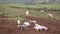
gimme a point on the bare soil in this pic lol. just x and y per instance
(10, 26)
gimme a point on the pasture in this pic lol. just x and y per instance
(15, 10)
(10, 13)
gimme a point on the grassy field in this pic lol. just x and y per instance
(48, 6)
(17, 11)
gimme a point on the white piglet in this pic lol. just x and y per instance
(27, 13)
(27, 23)
(37, 27)
(22, 26)
(45, 28)
(33, 21)
(18, 22)
(49, 14)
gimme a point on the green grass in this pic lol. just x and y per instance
(7, 10)
(48, 6)
(17, 18)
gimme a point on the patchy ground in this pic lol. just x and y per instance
(10, 26)
(3, 16)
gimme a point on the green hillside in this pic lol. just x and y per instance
(15, 11)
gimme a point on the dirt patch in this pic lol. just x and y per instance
(10, 26)
(3, 16)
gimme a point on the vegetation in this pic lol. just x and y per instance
(18, 10)
(37, 7)
(29, 1)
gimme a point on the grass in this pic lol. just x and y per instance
(19, 10)
(17, 18)
(48, 6)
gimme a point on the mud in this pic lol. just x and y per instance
(10, 26)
